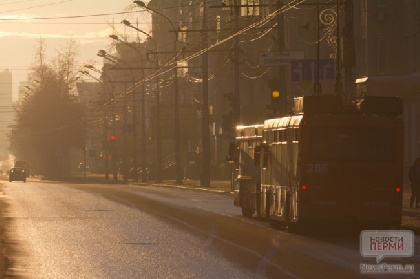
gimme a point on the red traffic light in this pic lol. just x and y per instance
(112, 137)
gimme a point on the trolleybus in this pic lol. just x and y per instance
(328, 163)
(247, 173)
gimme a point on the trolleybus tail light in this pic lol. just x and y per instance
(303, 187)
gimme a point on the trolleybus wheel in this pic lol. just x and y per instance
(275, 224)
(293, 227)
(268, 196)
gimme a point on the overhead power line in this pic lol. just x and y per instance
(72, 23)
(62, 17)
(39, 6)
(15, 2)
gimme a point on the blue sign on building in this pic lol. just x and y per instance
(305, 69)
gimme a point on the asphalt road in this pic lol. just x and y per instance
(56, 230)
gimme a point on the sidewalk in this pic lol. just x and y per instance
(410, 216)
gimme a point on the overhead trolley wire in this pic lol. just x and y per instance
(39, 6)
(171, 64)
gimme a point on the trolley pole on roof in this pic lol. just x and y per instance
(281, 70)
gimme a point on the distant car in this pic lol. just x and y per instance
(24, 165)
(17, 174)
(82, 167)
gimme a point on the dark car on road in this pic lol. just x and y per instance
(17, 174)
(24, 165)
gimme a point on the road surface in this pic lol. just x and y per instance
(58, 230)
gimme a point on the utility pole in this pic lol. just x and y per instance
(114, 155)
(124, 151)
(84, 146)
(349, 24)
(134, 131)
(158, 135)
(143, 134)
(177, 134)
(317, 85)
(106, 147)
(106, 96)
(112, 99)
(348, 50)
(338, 86)
(237, 104)
(205, 137)
(178, 165)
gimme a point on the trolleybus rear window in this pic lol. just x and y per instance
(363, 145)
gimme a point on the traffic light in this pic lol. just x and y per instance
(275, 95)
(112, 143)
(275, 99)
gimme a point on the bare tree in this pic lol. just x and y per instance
(48, 121)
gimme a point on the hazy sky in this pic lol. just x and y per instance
(24, 22)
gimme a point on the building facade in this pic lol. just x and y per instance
(388, 62)
(350, 47)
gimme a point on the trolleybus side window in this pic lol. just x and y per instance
(268, 136)
(267, 156)
(369, 145)
(292, 135)
(282, 135)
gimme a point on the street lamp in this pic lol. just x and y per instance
(128, 24)
(176, 97)
(102, 53)
(140, 4)
(91, 67)
(158, 137)
(143, 122)
(85, 72)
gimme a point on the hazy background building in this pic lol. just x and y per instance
(6, 112)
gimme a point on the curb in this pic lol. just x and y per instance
(185, 187)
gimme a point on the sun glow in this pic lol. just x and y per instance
(15, 17)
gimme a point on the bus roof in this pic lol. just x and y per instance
(283, 122)
(249, 131)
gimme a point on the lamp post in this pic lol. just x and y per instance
(85, 72)
(102, 53)
(143, 121)
(338, 86)
(114, 161)
(205, 138)
(317, 86)
(176, 97)
(158, 138)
